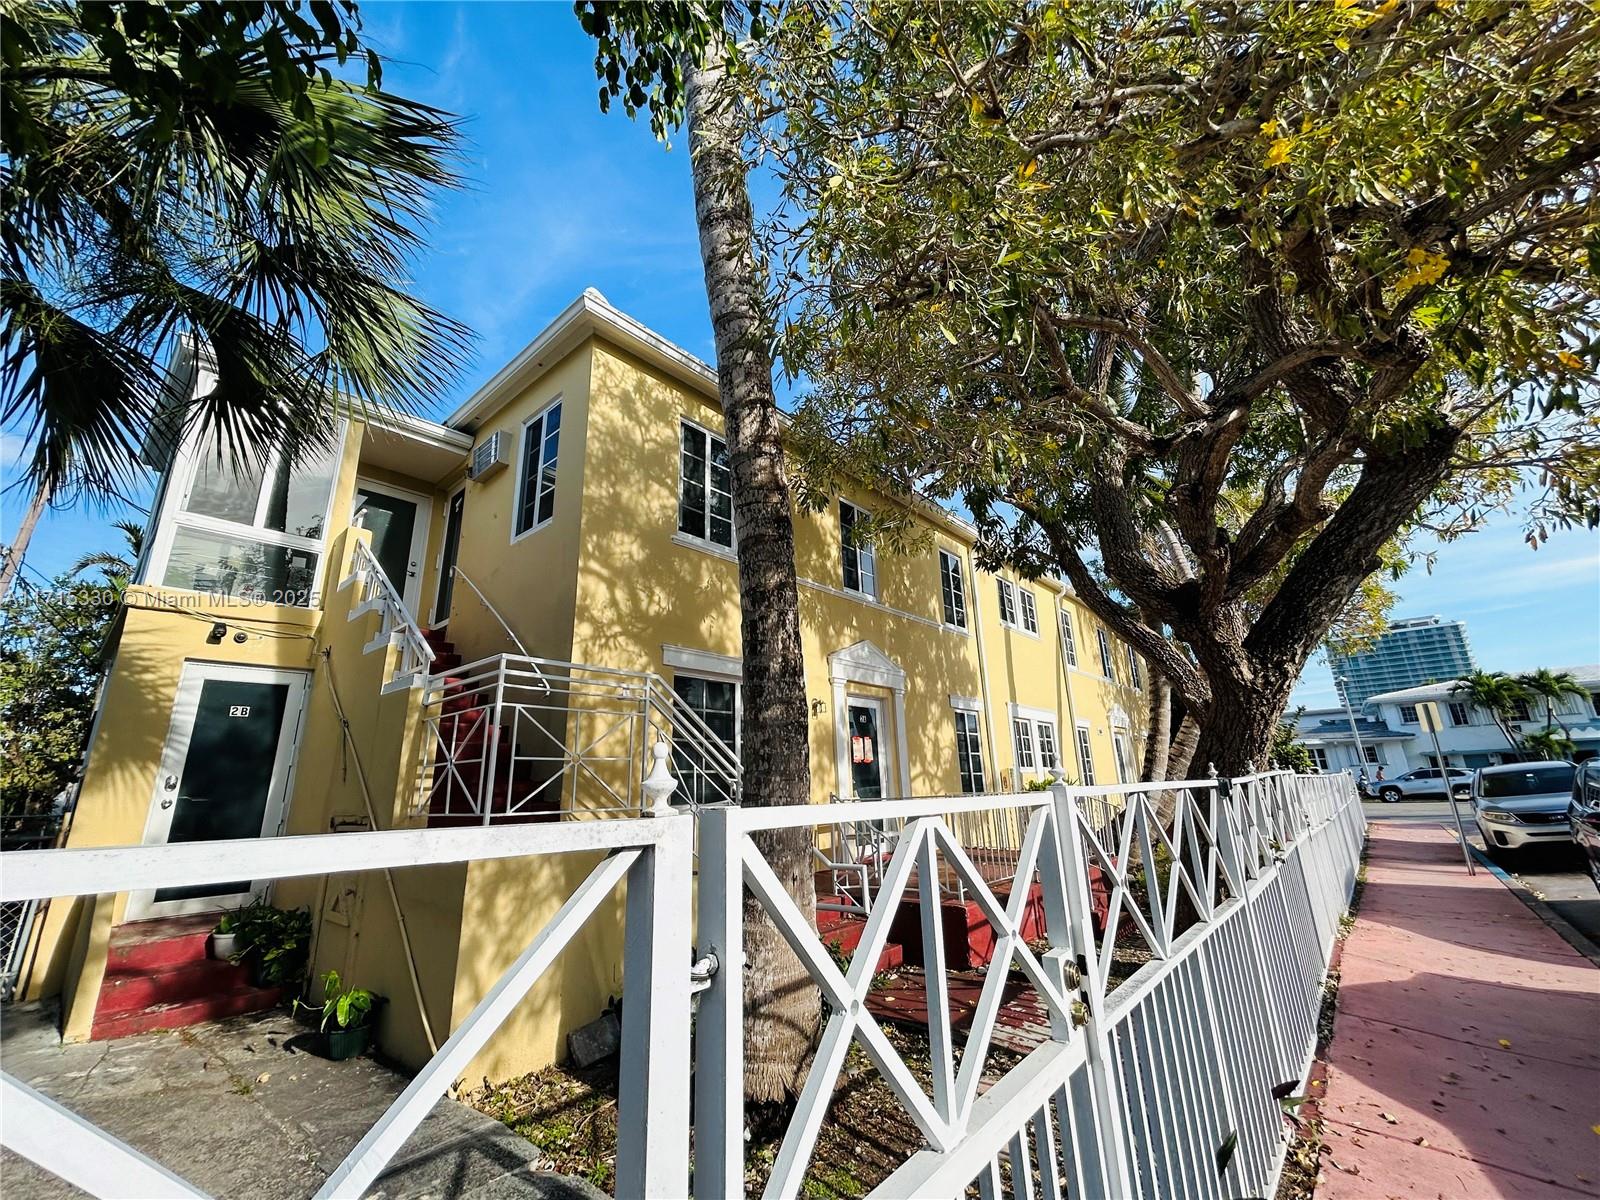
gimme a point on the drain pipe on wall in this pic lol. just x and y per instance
(388, 874)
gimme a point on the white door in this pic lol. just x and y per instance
(398, 520)
(867, 742)
(225, 773)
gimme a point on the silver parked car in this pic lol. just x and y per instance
(1522, 804)
(1424, 781)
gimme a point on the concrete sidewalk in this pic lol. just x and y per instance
(1465, 1059)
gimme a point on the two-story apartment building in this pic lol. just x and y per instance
(491, 618)
(1472, 738)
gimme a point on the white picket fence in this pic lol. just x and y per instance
(1163, 1084)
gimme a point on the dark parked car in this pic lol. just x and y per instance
(1583, 814)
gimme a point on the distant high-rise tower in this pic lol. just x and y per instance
(1409, 653)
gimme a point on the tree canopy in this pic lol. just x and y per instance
(1207, 307)
(207, 170)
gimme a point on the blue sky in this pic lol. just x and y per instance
(562, 197)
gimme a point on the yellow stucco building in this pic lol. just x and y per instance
(270, 673)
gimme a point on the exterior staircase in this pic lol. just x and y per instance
(464, 729)
(160, 976)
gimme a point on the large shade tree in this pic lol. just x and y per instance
(1207, 307)
(207, 171)
(673, 61)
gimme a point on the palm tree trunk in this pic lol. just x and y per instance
(1158, 741)
(19, 544)
(782, 1005)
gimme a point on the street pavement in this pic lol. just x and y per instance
(1554, 874)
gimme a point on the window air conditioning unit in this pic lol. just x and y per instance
(489, 455)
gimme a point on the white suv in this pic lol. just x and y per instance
(1424, 781)
(1522, 804)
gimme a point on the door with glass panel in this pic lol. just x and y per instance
(868, 768)
(224, 774)
(398, 520)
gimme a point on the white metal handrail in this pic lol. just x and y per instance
(651, 855)
(377, 594)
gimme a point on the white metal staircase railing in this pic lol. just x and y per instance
(515, 737)
(375, 594)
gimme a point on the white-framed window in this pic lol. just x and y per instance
(716, 702)
(1049, 756)
(1008, 601)
(1370, 753)
(1320, 757)
(952, 590)
(1105, 654)
(1030, 611)
(1069, 643)
(1135, 675)
(243, 528)
(1022, 732)
(705, 487)
(536, 481)
(969, 752)
(1123, 752)
(1085, 756)
(1408, 714)
(1034, 738)
(860, 561)
(1460, 714)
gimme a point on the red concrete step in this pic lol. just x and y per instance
(129, 989)
(186, 1012)
(167, 942)
(846, 936)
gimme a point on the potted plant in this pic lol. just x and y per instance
(348, 1015)
(225, 942)
(276, 941)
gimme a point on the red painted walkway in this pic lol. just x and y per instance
(1465, 1059)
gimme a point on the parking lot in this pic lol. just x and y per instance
(1554, 874)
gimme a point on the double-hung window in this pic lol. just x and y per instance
(860, 562)
(1069, 643)
(1022, 730)
(1030, 611)
(1320, 757)
(1105, 654)
(705, 487)
(1135, 676)
(1459, 715)
(953, 590)
(1008, 601)
(1408, 714)
(1085, 757)
(1049, 756)
(969, 752)
(536, 486)
(1034, 738)
(716, 702)
(248, 528)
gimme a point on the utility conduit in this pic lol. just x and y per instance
(388, 874)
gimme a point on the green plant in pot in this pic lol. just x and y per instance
(225, 941)
(276, 941)
(348, 1015)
